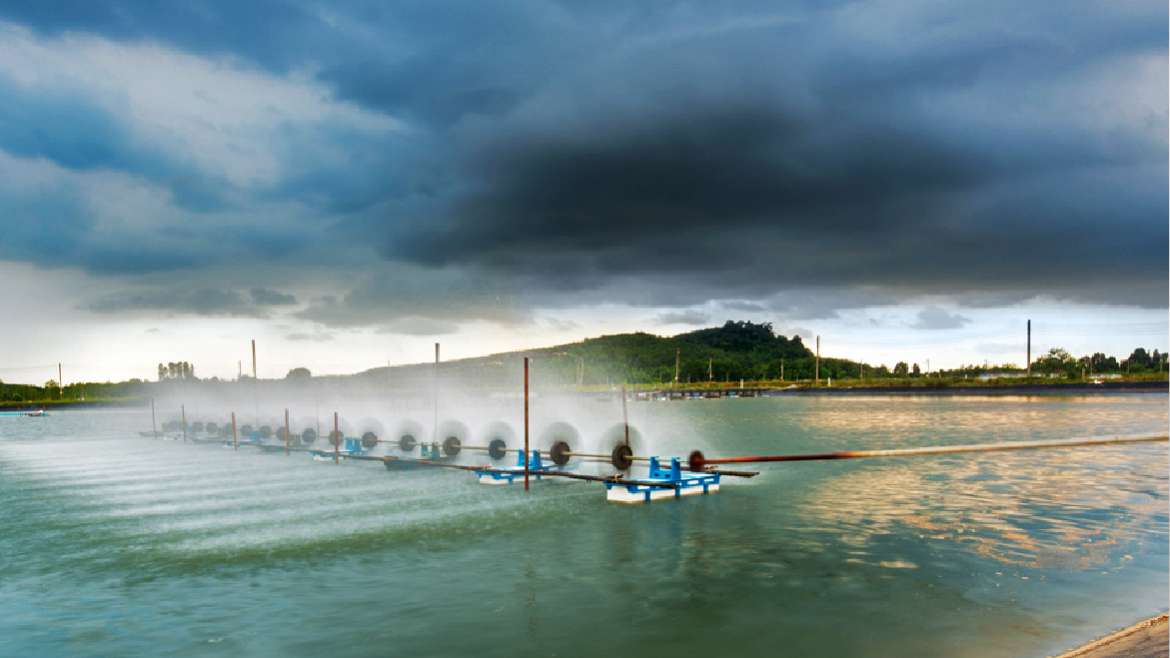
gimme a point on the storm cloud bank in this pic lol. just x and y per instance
(501, 157)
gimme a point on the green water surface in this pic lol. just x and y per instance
(115, 545)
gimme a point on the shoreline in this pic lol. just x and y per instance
(684, 393)
(1146, 639)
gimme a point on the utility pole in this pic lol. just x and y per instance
(818, 364)
(1029, 354)
(255, 382)
(435, 396)
(677, 354)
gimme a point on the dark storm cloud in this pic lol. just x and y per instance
(793, 158)
(831, 169)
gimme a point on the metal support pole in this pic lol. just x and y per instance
(526, 424)
(235, 442)
(435, 398)
(337, 441)
(625, 417)
(153, 426)
(286, 431)
(183, 416)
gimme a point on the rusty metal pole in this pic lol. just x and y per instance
(337, 441)
(698, 461)
(286, 430)
(625, 416)
(183, 415)
(526, 423)
(235, 443)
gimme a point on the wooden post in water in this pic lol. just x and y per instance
(235, 442)
(526, 423)
(183, 416)
(153, 426)
(286, 431)
(336, 436)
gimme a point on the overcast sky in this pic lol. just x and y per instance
(350, 182)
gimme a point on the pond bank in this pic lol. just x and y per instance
(1146, 639)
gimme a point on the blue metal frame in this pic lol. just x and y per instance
(673, 476)
(510, 475)
(349, 447)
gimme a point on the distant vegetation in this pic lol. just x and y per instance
(708, 357)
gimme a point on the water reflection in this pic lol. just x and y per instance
(1075, 508)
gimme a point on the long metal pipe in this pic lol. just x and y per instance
(606, 457)
(698, 461)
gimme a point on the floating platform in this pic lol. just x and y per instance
(349, 448)
(662, 484)
(498, 476)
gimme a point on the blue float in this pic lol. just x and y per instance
(662, 484)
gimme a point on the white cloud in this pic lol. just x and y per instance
(220, 114)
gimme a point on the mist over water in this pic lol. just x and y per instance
(116, 544)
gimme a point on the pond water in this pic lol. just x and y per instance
(112, 544)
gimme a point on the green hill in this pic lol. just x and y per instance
(737, 350)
